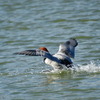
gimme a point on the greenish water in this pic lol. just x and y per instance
(30, 24)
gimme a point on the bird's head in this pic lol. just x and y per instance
(44, 49)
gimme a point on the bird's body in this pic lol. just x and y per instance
(58, 60)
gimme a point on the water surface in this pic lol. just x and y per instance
(30, 24)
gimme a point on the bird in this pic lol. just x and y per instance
(58, 60)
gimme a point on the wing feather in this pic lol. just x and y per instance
(34, 53)
(68, 47)
(38, 53)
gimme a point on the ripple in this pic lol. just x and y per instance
(30, 24)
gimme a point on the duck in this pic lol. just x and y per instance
(57, 61)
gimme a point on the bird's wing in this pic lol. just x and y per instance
(38, 53)
(69, 47)
(34, 53)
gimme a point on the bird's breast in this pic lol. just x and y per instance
(47, 61)
(54, 64)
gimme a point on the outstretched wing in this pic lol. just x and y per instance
(68, 47)
(34, 53)
(38, 53)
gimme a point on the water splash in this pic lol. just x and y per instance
(91, 67)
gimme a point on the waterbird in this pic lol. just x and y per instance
(58, 60)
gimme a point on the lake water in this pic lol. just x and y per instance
(30, 24)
